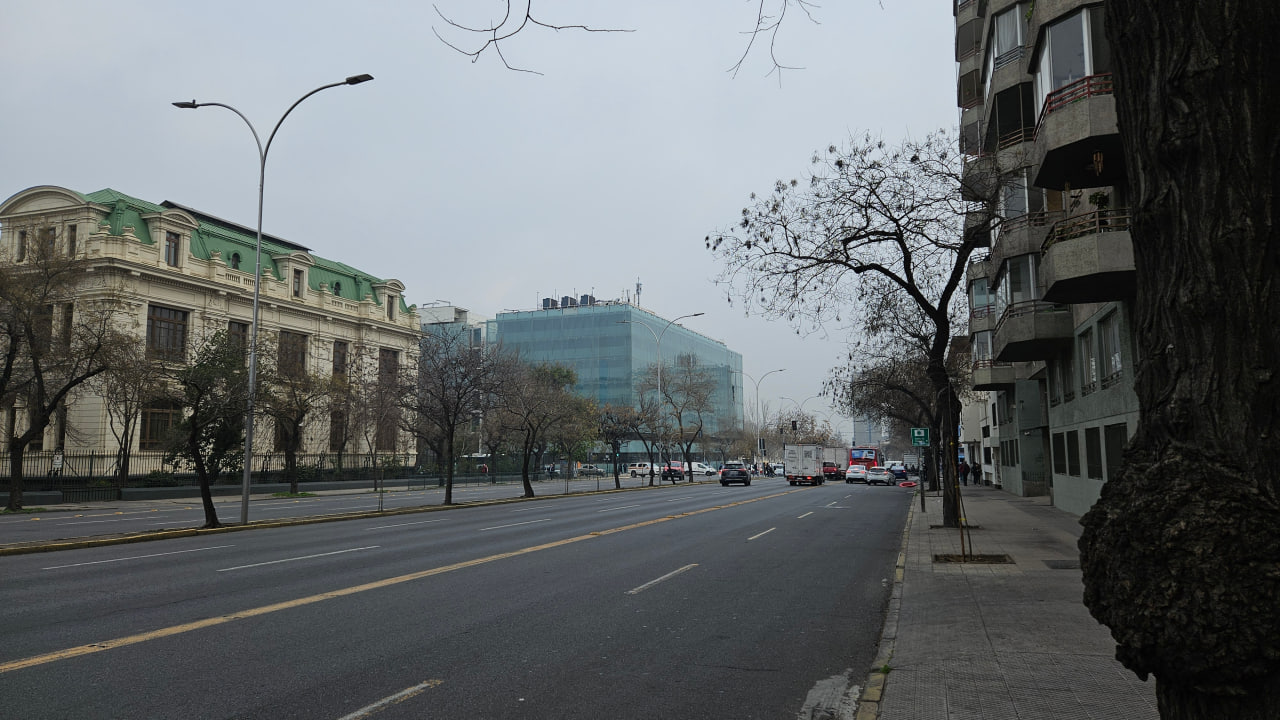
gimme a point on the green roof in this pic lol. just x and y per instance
(213, 234)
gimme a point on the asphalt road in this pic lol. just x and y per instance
(681, 602)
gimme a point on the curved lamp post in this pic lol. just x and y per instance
(759, 420)
(799, 405)
(257, 273)
(657, 338)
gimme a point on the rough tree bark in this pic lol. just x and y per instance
(1181, 556)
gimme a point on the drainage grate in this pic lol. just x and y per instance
(1063, 564)
(975, 559)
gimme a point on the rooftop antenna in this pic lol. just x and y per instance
(638, 287)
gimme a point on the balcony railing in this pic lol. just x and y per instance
(1029, 307)
(1033, 219)
(1015, 137)
(1085, 87)
(980, 311)
(988, 364)
(1099, 221)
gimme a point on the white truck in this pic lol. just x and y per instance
(803, 463)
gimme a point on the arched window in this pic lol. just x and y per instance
(235, 261)
(337, 288)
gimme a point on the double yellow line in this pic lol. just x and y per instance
(97, 647)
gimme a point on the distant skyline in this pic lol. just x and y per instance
(471, 183)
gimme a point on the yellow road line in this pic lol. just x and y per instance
(97, 647)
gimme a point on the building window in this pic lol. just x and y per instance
(1060, 453)
(388, 366)
(1088, 364)
(297, 283)
(293, 354)
(156, 423)
(1073, 453)
(1093, 452)
(238, 335)
(21, 254)
(340, 357)
(1073, 49)
(235, 261)
(337, 288)
(337, 431)
(391, 307)
(172, 243)
(1109, 347)
(1115, 437)
(49, 241)
(71, 240)
(166, 333)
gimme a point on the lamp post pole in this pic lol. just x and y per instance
(657, 339)
(257, 271)
(759, 420)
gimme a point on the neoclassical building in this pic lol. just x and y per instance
(179, 275)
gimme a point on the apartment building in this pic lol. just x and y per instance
(1050, 304)
(179, 275)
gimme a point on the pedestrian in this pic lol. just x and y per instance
(963, 469)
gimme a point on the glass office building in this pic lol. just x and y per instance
(611, 344)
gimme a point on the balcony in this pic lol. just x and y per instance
(1022, 235)
(982, 318)
(1077, 138)
(1033, 330)
(1089, 258)
(993, 375)
(978, 179)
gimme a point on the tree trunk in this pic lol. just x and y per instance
(448, 468)
(16, 454)
(202, 476)
(1179, 554)
(291, 466)
(524, 472)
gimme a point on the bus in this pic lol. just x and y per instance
(865, 456)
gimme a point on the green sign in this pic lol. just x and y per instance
(920, 437)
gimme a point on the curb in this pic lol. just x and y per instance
(868, 707)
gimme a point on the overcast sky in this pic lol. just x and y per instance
(469, 182)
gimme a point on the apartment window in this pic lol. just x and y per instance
(1088, 363)
(1060, 453)
(1055, 382)
(166, 333)
(297, 283)
(1109, 347)
(1073, 453)
(337, 431)
(1017, 283)
(156, 422)
(1115, 437)
(292, 354)
(172, 243)
(339, 357)
(1074, 48)
(1067, 362)
(980, 299)
(1009, 29)
(71, 240)
(1093, 452)
(238, 335)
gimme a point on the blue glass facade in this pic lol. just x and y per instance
(608, 346)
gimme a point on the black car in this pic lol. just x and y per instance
(734, 472)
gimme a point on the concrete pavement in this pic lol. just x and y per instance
(992, 640)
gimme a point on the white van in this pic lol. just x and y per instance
(701, 469)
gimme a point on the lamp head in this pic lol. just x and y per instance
(186, 105)
(357, 79)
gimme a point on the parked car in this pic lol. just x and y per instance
(779, 470)
(702, 469)
(899, 471)
(590, 470)
(877, 474)
(673, 470)
(638, 468)
(856, 473)
(735, 472)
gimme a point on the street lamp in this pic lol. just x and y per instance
(759, 420)
(657, 338)
(257, 273)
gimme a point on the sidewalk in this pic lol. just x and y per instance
(995, 641)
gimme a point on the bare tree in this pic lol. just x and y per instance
(617, 424)
(290, 394)
(126, 388)
(211, 389)
(490, 35)
(532, 404)
(59, 331)
(448, 390)
(875, 226)
(687, 387)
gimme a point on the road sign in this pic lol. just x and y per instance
(920, 437)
